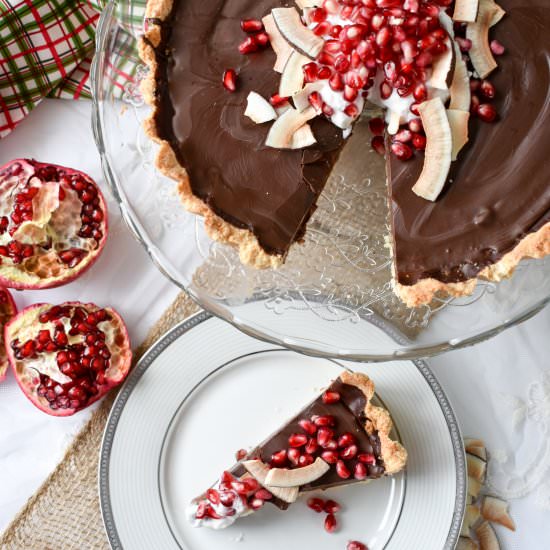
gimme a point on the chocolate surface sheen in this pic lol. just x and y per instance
(498, 191)
(271, 192)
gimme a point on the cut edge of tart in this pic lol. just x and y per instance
(337, 458)
(250, 250)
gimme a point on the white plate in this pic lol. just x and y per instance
(199, 395)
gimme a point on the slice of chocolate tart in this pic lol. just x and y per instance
(338, 439)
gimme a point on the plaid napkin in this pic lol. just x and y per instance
(46, 49)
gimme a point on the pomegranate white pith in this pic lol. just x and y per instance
(67, 357)
(7, 311)
(53, 224)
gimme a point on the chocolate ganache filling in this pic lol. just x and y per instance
(268, 191)
(349, 418)
(498, 191)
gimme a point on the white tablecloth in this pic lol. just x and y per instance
(500, 389)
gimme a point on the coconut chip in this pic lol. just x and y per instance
(471, 517)
(487, 537)
(303, 137)
(283, 477)
(461, 94)
(292, 79)
(465, 11)
(478, 32)
(282, 131)
(465, 543)
(476, 467)
(458, 121)
(437, 156)
(496, 510)
(280, 46)
(308, 3)
(259, 109)
(296, 33)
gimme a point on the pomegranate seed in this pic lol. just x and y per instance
(227, 499)
(332, 46)
(294, 456)
(330, 397)
(486, 112)
(278, 459)
(341, 64)
(465, 44)
(355, 544)
(331, 507)
(415, 125)
(317, 15)
(350, 94)
(336, 82)
(383, 36)
(403, 136)
(420, 92)
(360, 471)
(346, 440)
(248, 45)
(240, 454)
(305, 460)
(324, 420)
(335, 31)
(310, 72)
(349, 452)
(311, 447)
(261, 39)
(325, 58)
(330, 523)
(377, 126)
(342, 470)
(239, 487)
(256, 503)
(322, 28)
(377, 143)
(230, 80)
(263, 494)
(351, 110)
(474, 104)
(201, 510)
(308, 426)
(401, 151)
(324, 435)
(331, 457)
(297, 440)
(276, 100)
(213, 496)
(316, 504)
(251, 25)
(414, 109)
(390, 71)
(385, 90)
(324, 73)
(251, 484)
(496, 47)
(316, 101)
(419, 142)
(425, 59)
(487, 89)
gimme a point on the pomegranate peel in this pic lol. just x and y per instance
(67, 357)
(296, 33)
(282, 477)
(458, 122)
(53, 224)
(437, 156)
(7, 310)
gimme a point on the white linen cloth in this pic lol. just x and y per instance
(500, 389)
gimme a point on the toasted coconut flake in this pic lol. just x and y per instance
(458, 121)
(476, 467)
(487, 537)
(465, 11)
(474, 487)
(480, 452)
(303, 137)
(498, 12)
(461, 94)
(292, 79)
(282, 477)
(280, 46)
(437, 156)
(308, 3)
(471, 442)
(478, 32)
(296, 33)
(471, 517)
(443, 68)
(496, 510)
(393, 120)
(301, 98)
(466, 543)
(259, 470)
(259, 109)
(282, 131)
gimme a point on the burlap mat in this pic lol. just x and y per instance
(64, 513)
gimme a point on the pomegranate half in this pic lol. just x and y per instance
(68, 356)
(53, 224)
(7, 311)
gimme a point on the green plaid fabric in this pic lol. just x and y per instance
(46, 48)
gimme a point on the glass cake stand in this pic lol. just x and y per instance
(340, 275)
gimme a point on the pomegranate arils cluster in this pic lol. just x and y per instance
(329, 507)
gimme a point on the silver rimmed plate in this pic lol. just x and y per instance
(199, 395)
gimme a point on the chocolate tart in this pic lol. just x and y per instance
(493, 211)
(341, 425)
